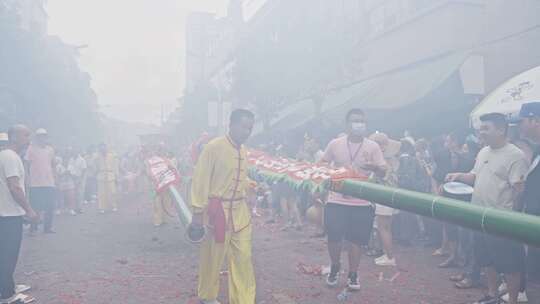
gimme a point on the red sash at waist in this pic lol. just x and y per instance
(216, 219)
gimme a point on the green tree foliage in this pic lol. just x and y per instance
(41, 84)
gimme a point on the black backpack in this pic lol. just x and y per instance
(411, 175)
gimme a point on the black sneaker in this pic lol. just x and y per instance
(374, 253)
(333, 277)
(352, 282)
(488, 300)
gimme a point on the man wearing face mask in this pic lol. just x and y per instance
(346, 218)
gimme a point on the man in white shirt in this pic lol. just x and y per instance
(498, 178)
(13, 206)
(77, 167)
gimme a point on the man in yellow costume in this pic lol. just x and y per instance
(107, 175)
(219, 191)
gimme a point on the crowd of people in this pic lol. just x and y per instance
(498, 160)
(39, 182)
(498, 163)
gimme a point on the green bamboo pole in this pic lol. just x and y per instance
(184, 213)
(513, 225)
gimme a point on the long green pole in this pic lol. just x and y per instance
(184, 213)
(513, 225)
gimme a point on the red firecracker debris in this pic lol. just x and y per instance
(309, 270)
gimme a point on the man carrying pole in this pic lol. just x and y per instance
(218, 195)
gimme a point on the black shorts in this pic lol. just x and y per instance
(350, 223)
(43, 198)
(505, 255)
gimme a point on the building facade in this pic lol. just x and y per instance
(296, 62)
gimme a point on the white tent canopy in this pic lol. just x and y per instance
(509, 96)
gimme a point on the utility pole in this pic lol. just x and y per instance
(162, 114)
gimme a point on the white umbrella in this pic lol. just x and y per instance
(509, 96)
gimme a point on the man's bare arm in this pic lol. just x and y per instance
(516, 197)
(466, 178)
(18, 194)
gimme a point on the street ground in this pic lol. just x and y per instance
(121, 258)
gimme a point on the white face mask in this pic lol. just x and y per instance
(358, 128)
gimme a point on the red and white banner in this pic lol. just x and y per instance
(162, 173)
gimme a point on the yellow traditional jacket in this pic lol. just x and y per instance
(107, 167)
(221, 172)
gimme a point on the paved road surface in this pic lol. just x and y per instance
(122, 258)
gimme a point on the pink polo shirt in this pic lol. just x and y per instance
(342, 153)
(41, 170)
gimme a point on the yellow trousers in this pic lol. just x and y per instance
(162, 202)
(106, 192)
(237, 249)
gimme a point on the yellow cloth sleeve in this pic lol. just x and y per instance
(202, 175)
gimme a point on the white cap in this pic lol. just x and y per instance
(41, 131)
(4, 137)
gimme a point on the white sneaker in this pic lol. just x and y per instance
(20, 288)
(503, 288)
(385, 261)
(522, 297)
(115, 210)
(381, 258)
(102, 211)
(72, 212)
